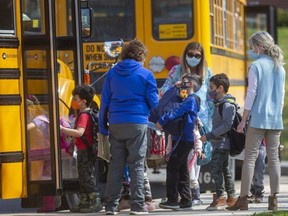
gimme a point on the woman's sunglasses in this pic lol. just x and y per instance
(191, 55)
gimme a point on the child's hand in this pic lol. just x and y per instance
(202, 156)
(158, 126)
(203, 139)
(178, 84)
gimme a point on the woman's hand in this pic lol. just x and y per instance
(241, 126)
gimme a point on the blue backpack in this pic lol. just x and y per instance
(170, 100)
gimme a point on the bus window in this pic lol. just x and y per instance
(227, 24)
(7, 17)
(172, 20)
(33, 17)
(113, 19)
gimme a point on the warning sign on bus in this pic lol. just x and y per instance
(172, 31)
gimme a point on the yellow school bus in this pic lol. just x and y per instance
(49, 46)
(166, 27)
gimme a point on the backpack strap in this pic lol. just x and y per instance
(222, 104)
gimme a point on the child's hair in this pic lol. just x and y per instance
(221, 79)
(135, 50)
(85, 92)
(195, 79)
(266, 42)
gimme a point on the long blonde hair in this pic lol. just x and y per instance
(265, 41)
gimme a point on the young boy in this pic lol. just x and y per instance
(90, 198)
(221, 124)
(178, 179)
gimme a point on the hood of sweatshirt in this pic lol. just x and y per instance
(227, 98)
(127, 66)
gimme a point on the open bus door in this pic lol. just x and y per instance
(51, 66)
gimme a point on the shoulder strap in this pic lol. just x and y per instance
(222, 104)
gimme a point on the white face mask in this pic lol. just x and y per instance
(192, 62)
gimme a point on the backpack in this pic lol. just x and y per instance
(94, 115)
(170, 100)
(237, 140)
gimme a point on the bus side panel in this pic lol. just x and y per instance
(10, 139)
(11, 181)
(234, 68)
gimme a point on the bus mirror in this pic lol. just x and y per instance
(86, 22)
(113, 48)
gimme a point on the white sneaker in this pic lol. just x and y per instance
(139, 212)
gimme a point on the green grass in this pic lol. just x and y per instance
(274, 213)
(282, 42)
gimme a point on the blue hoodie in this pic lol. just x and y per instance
(129, 93)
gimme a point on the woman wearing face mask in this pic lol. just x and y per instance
(194, 62)
(263, 107)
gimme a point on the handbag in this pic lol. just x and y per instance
(206, 150)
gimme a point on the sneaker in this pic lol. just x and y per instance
(197, 202)
(111, 213)
(217, 204)
(169, 205)
(124, 204)
(258, 199)
(186, 205)
(143, 212)
(251, 199)
(150, 206)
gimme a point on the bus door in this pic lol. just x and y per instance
(40, 97)
(50, 66)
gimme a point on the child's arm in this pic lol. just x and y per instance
(197, 142)
(78, 132)
(81, 125)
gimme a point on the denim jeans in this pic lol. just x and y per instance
(219, 169)
(257, 186)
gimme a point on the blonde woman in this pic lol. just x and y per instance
(263, 108)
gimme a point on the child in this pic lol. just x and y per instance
(177, 167)
(218, 88)
(90, 199)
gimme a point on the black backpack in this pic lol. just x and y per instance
(94, 115)
(237, 140)
(170, 101)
